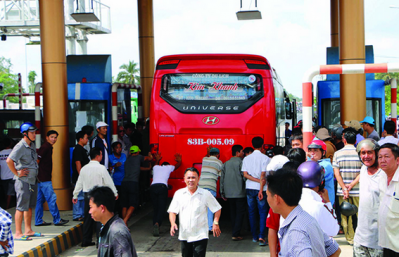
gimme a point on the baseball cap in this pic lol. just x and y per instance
(277, 162)
(318, 144)
(323, 134)
(368, 120)
(353, 124)
(101, 124)
(134, 149)
(214, 150)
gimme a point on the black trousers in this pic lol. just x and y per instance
(89, 223)
(390, 253)
(238, 207)
(159, 196)
(194, 249)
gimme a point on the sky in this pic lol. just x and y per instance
(293, 35)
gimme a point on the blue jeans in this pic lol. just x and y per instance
(78, 209)
(210, 214)
(263, 208)
(45, 193)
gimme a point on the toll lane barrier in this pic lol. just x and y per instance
(58, 244)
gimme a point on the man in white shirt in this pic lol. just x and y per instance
(91, 175)
(254, 170)
(389, 130)
(388, 213)
(159, 189)
(366, 242)
(192, 203)
(7, 181)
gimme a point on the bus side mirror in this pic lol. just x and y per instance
(288, 110)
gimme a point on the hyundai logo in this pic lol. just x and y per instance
(210, 120)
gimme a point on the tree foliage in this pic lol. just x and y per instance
(8, 79)
(385, 76)
(129, 74)
(31, 78)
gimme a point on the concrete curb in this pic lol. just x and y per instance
(58, 244)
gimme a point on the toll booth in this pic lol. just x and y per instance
(328, 94)
(89, 94)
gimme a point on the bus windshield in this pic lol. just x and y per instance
(211, 86)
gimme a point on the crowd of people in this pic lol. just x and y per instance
(294, 199)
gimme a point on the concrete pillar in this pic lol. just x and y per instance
(55, 95)
(146, 46)
(334, 23)
(352, 51)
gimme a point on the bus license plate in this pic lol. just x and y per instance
(210, 141)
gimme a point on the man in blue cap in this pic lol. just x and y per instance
(22, 161)
(210, 172)
(368, 124)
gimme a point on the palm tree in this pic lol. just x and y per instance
(129, 72)
(32, 77)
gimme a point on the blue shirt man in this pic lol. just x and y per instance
(117, 161)
(300, 234)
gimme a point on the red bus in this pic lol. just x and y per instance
(220, 100)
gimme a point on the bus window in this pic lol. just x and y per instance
(83, 113)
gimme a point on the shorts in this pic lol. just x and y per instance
(8, 186)
(129, 194)
(26, 195)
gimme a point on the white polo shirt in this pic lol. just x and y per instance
(367, 224)
(255, 164)
(193, 213)
(388, 139)
(388, 213)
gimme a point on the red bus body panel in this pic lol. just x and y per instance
(177, 132)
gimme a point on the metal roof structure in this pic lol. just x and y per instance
(21, 18)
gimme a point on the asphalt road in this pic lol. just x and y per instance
(165, 245)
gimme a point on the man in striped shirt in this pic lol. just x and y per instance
(210, 172)
(300, 234)
(346, 164)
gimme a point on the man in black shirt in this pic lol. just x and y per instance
(79, 159)
(45, 191)
(115, 238)
(130, 183)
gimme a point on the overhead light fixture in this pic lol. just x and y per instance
(84, 17)
(3, 37)
(250, 14)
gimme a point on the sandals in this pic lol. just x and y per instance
(23, 238)
(262, 242)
